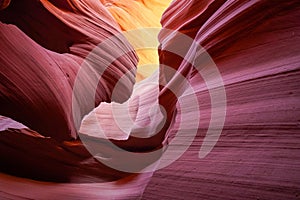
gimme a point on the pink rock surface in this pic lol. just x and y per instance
(43, 46)
(254, 154)
(254, 44)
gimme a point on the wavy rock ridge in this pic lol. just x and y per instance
(60, 37)
(253, 154)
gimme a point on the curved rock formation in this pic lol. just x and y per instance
(226, 96)
(38, 72)
(254, 46)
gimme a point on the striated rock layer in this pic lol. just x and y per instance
(236, 100)
(254, 45)
(43, 46)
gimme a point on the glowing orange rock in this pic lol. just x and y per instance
(132, 15)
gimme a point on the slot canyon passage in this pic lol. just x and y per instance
(149, 99)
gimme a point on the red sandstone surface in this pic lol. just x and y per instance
(236, 101)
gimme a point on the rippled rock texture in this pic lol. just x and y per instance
(254, 45)
(227, 84)
(43, 46)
